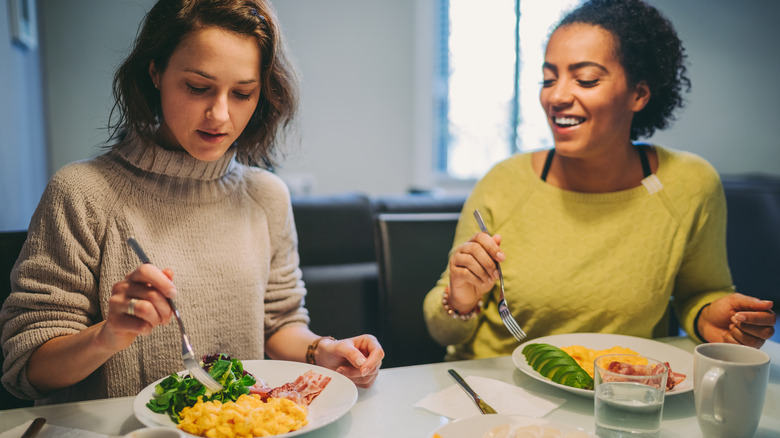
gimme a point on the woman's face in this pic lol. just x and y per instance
(585, 93)
(209, 91)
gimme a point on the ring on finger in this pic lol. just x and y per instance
(131, 307)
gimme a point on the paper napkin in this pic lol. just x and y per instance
(455, 403)
(51, 431)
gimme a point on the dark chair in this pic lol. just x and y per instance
(10, 245)
(412, 253)
(338, 263)
(753, 235)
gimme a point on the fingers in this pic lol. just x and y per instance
(475, 261)
(142, 296)
(751, 328)
(364, 356)
(154, 278)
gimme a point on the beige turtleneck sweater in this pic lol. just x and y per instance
(225, 229)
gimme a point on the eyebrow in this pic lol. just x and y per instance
(576, 66)
(208, 76)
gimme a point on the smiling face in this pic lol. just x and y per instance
(209, 91)
(585, 94)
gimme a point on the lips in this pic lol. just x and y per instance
(211, 137)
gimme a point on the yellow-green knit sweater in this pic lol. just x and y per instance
(593, 263)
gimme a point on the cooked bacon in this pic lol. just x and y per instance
(628, 369)
(674, 378)
(302, 391)
(310, 384)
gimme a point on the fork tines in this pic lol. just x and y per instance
(510, 323)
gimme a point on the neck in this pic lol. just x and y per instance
(620, 169)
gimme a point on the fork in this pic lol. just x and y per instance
(503, 309)
(187, 353)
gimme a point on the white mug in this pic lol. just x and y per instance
(729, 386)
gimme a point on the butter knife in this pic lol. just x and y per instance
(484, 407)
(34, 428)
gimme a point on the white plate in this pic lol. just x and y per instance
(335, 400)
(680, 360)
(478, 426)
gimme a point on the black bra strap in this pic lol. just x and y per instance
(639, 146)
(547, 164)
(643, 158)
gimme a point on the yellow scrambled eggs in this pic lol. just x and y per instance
(247, 417)
(585, 356)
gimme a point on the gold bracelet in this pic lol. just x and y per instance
(313, 347)
(445, 302)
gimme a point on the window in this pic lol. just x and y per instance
(487, 81)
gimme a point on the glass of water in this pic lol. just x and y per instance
(629, 397)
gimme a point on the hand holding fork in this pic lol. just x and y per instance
(503, 309)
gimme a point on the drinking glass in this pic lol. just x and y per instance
(629, 395)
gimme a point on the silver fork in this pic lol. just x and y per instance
(187, 353)
(503, 309)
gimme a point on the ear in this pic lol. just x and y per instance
(154, 75)
(641, 96)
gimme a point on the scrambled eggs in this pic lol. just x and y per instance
(585, 356)
(247, 417)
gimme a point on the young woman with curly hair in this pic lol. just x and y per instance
(599, 233)
(201, 103)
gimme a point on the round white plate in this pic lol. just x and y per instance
(478, 426)
(333, 402)
(680, 360)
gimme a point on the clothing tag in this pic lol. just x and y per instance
(652, 184)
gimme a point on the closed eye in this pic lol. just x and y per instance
(196, 90)
(589, 84)
(242, 96)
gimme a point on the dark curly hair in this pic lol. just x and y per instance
(137, 107)
(648, 49)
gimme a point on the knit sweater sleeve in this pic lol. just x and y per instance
(704, 273)
(54, 285)
(285, 292)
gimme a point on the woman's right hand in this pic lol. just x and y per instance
(137, 305)
(473, 271)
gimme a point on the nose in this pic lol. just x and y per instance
(559, 94)
(218, 109)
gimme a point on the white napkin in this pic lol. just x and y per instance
(52, 431)
(455, 403)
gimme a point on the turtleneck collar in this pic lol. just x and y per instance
(175, 163)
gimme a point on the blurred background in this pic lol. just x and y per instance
(397, 95)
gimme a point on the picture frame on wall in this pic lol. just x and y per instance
(24, 23)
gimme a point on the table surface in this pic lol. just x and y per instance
(386, 409)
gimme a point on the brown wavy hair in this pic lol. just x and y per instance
(137, 108)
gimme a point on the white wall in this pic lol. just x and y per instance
(734, 65)
(22, 145)
(360, 61)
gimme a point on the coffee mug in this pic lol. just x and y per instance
(729, 386)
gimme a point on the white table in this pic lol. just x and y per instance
(385, 410)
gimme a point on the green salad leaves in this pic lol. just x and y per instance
(175, 392)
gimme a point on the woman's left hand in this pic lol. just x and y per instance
(738, 319)
(357, 358)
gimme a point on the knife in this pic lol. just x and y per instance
(34, 428)
(484, 407)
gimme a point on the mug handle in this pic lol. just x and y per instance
(707, 399)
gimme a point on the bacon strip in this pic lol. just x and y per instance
(302, 391)
(627, 369)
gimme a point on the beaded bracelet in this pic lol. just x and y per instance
(445, 302)
(313, 347)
